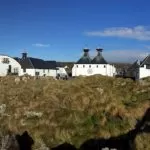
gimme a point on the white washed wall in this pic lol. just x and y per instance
(42, 72)
(92, 69)
(4, 67)
(52, 73)
(30, 72)
(144, 72)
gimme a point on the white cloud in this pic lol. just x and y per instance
(125, 55)
(137, 32)
(40, 45)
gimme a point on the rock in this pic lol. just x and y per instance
(9, 142)
(24, 79)
(17, 80)
(100, 90)
(2, 109)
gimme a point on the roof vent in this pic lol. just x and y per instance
(99, 50)
(86, 51)
(24, 55)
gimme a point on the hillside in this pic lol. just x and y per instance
(55, 111)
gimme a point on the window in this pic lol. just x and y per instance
(104, 66)
(97, 66)
(15, 70)
(5, 61)
(89, 66)
(37, 73)
(83, 66)
(77, 66)
(24, 69)
(43, 70)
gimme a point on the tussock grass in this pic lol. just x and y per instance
(75, 110)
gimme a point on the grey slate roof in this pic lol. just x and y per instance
(99, 59)
(85, 59)
(51, 64)
(134, 66)
(146, 61)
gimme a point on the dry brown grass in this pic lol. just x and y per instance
(75, 110)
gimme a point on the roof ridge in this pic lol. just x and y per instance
(99, 59)
(31, 62)
(145, 59)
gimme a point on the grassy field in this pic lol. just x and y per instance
(55, 111)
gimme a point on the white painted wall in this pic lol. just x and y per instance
(92, 69)
(143, 72)
(30, 72)
(4, 66)
(42, 72)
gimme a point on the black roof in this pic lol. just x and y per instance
(51, 64)
(134, 66)
(99, 59)
(36, 63)
(84, 60)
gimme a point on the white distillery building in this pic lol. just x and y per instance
(9, 65)
(140, 69)
(30, 66)
(86, 66)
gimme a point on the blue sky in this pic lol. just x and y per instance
(60, 29)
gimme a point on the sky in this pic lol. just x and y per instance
(60, 29)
